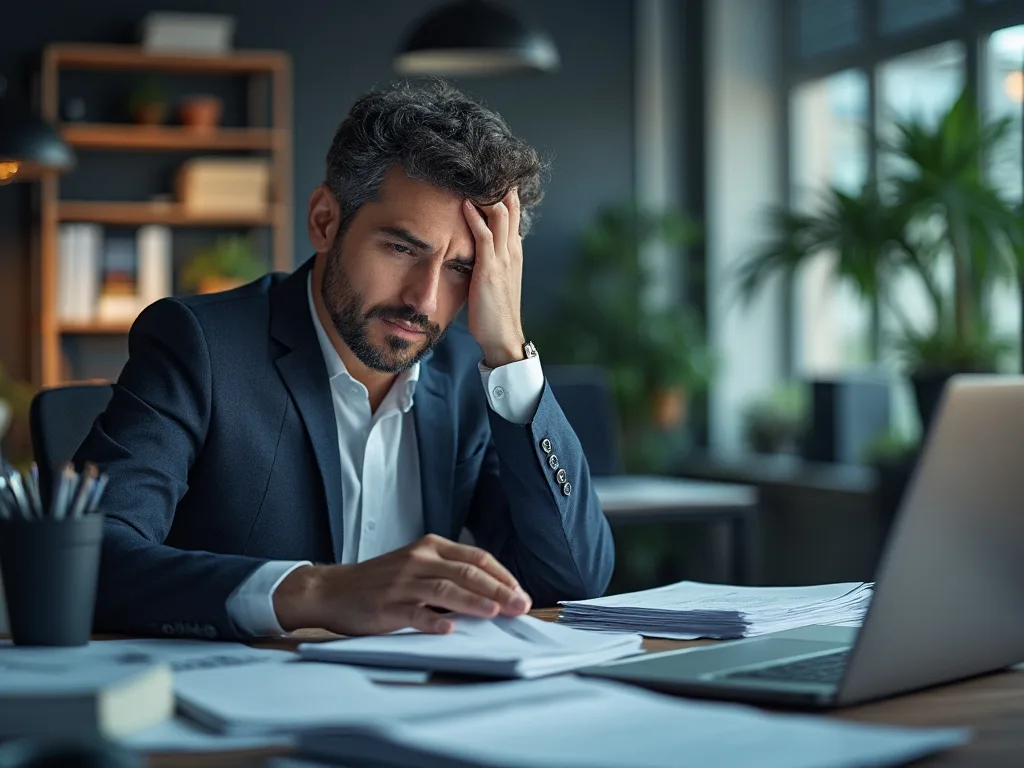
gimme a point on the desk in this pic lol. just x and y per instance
(993, 706)
(636, 499)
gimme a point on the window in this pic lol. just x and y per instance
(1004, 98)
(829, 147)
(901, 15)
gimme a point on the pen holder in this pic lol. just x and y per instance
(49, 569)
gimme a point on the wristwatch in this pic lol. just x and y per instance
(529, 350)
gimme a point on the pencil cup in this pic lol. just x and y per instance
(49, 569)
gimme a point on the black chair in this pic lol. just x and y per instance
(584, 393)
(59, 420)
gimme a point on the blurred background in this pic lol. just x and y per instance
(772, 230)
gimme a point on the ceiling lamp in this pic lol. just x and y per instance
(475, 37)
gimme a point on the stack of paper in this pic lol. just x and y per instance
(689, 610)
(575, 723)
(501, 647)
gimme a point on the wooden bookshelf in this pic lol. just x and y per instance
(170, 138)
(269, 74)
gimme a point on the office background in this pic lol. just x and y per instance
(717, 110)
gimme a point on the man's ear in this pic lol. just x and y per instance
(324, 218)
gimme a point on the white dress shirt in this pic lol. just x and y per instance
(380, 470)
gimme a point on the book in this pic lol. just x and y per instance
(503, 647)
(50, 692)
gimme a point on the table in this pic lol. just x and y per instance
(993, 706)
(636, 499)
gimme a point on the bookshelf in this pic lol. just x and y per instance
(269, 78)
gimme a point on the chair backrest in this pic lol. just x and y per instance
(59, 420)
(584, 393)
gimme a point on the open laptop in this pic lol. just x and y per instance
(948, 601)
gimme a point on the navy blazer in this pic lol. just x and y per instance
(222, 450)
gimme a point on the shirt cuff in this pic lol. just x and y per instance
(251, 605)
(514, 390)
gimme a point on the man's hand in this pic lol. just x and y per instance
(394, 591)
(496, 287)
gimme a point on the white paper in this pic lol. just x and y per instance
(179, 735)
(508, 647)
(689, 610)
(611, 725)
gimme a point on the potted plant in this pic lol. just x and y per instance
(937, 211)
(775, 423)
(148, 102)
(657, 356)
(893, 457)
(229, 263)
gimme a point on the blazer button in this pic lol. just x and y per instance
(545, 445)
(561, 477)
(567, 489)
(553, 461)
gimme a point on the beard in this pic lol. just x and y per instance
(352, 322)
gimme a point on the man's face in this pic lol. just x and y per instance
(399, 274)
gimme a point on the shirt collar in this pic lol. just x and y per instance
(404, 387)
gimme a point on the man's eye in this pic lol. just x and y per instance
(463, 269)
(398, 248)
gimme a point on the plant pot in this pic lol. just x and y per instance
(216, 284)
(200, 113)
(668, 408)
(151, 113)
(929, 385)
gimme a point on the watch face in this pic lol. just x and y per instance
(529, 349)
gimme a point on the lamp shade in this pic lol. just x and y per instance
(475, 37)
(29, 146)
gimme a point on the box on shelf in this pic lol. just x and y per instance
(206, 33)
(212, 186)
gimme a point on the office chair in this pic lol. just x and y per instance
(584, 393)
(59, 420)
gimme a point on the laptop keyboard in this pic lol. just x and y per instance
(827, 668)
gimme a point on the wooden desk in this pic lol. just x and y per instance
(993, 706)
(636, 499)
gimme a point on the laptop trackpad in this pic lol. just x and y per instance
(715, 658)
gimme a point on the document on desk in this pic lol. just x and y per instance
(609, 725)
(689, 610)
(503, 647)
(275, 699)
(179, 735)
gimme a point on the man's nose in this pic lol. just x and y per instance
(420, 290)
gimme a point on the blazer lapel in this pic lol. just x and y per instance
(304, 373)
(435, 437)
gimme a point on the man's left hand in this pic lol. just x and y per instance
(496, 287)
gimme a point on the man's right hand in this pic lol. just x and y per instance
(398, 590)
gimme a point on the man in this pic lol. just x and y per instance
(302, 451)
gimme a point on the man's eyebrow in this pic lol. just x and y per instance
(409, 237)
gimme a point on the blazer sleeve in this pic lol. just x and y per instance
(559, 545)
(147, 441)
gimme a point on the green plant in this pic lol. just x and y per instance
(938, 210)
(888, 447)
(231, 256)
(147, 92)
(607, 317)
(776, 421)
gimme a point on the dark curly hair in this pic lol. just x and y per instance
(439, 136)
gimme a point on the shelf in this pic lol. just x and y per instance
(95, 328)
(115, 136)
(87, 56)
(171, 214)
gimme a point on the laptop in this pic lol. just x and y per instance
(948, 599)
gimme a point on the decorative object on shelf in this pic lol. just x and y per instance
(197, 33)
(475, 37)
(224, 186)
(657, 356)
(776, 423)
(200, 113)
(229, 263)
(29, 146)
(148, 103)
(940, 213)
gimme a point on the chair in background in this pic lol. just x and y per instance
(59, 420)
(584, 393)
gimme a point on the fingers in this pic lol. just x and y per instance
(490, 228)
(485, 561)
(445, 593)
(486, 594)
(426, 620)
(515, 213)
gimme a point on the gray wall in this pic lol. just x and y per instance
(582, 117)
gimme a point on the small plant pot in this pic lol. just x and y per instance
(201, 113)
(216, 284)
(150, 113)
